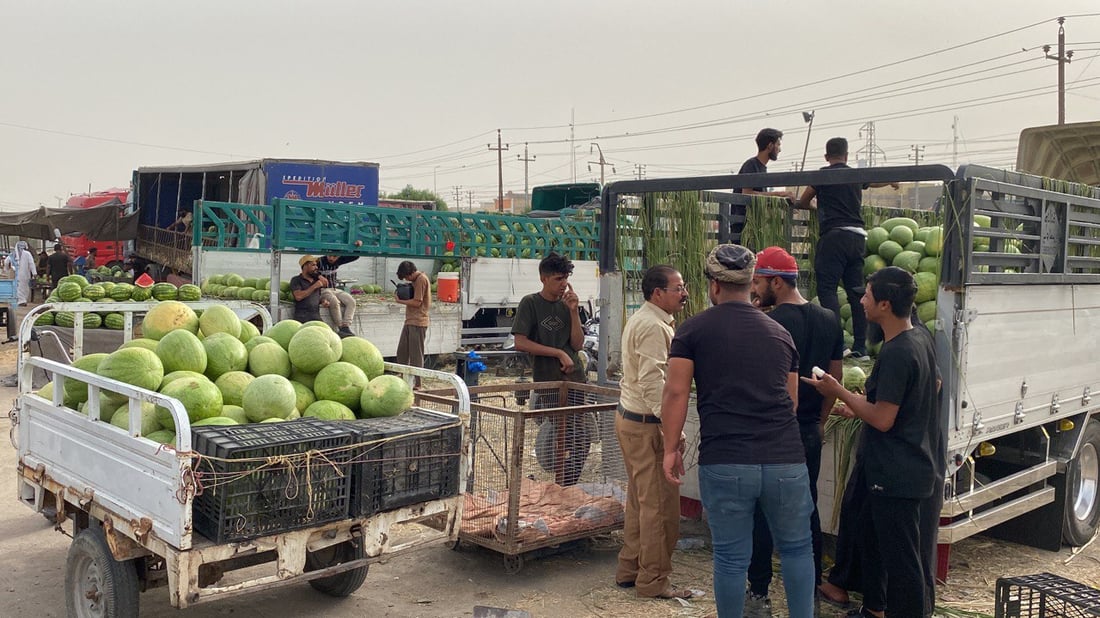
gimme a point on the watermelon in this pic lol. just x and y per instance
(83, 283)
(268, 396)
(875, 237)
(916, 246)
(232, 385)
(75, 390)
(114, 321)
(854, 378)
(926, 311)
(217, 279)
(121, 418)
(364, 355)
(140, 294)
(162, 436)
(248, 331)
(871, 263)
(889, 250)
(312, 349)
(933, 242)
(926, 287)
(122, 291)
(342, 382)
(68, 291)
(929, 265)
(283, 331)
(220, 319)
(268, 358)
(148, 344)
(907, 260)
(236, 413)
(164, 291)
(107, 287)
(215, 420)
(189, 292)
(167, 316)
(176, 375)
(257, 340)
(199, 397)
(65, 319)
(329, 411)
(303, 396)
(386, 395)
(901, 235)
(245, 293)
(895, 222)
(181, 350)
(303, 378)
(224, 353)
(94, 292)
(46, 319)
(92, 320)
(135, 366)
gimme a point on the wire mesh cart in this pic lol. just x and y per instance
(547, 468)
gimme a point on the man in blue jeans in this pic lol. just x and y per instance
(745, 368)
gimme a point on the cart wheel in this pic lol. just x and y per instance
(95, 583)
(341, 584)
(513, 564)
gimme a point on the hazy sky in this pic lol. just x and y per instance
(95, 88)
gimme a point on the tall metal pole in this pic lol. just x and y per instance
(810, 119)
(526, 159)
(1063, 58)
(500, 171)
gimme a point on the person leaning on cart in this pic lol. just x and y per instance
(651, 526)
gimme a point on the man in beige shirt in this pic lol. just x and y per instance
(652, 523)
(410, 346)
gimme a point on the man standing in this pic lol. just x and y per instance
(819, 341)
(21, 261)
(842, 241)
(768, 145)
(306, 288)
(745, 368)
(410, 346)
(652, 524)
(897, 447)
(60, 264)
(548, 324)
(90, 261)
(341, 304)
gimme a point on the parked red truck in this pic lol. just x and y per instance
(107, 252)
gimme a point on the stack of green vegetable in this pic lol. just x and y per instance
(77, 289)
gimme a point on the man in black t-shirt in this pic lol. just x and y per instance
(768, 146)
(900, 447)
(745, 368)
(60, 264)
(306, 288)
(819, 341)
(548, 324)
(842, 241)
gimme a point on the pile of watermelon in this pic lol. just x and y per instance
(77, 289)
(225, 372)
(111, 271)
(903, 243)
(233, 286)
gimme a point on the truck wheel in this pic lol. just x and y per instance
(95, 583)
(341, 584)
(1082, 481)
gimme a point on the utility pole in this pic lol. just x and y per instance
(955, 142)
(918, 154)
(526, 160)
(639, 171)
(500, 148)
(435, 185)
(1063, 58)
(572, 147)
(458, 197)
(470, 200)
(602, 162)
(871, 148)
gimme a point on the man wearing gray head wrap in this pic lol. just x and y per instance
(21, 260)
(745, 368)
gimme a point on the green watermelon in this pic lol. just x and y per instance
(94, 292)
(340, 381)
(181, 350)
(122, 291)
(140, 294)
(167, 316)
(386, 395)
(268, 396)
(115, 321)
(312, 348)
(188, 292)
(68, 291)
(136, 366)
(164, 291)
(92, 320)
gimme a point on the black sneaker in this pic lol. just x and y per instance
(344, 331)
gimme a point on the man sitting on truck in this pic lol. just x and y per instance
(341, 305)
(306, 288)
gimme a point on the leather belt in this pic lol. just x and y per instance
(638, 418)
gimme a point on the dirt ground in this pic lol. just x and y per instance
(438, 581)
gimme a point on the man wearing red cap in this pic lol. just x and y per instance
(820, 343)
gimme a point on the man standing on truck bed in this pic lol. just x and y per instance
(410, 346)
(61, 265)
(652, 523)
(768, 144)
(306, 288)
(819, 341)
(898, 449)
(842, 241)
(341, 305)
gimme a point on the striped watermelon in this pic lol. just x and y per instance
(165, 291)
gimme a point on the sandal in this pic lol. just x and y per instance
(833, 594)
(674, 593)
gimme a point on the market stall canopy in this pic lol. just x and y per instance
(97, 223)
(1067, 152)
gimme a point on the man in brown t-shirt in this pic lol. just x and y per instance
(410, 347)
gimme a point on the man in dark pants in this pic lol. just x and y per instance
(898, 447)
(768, 145)
(842, 241)
(60, 264)
(820, 343)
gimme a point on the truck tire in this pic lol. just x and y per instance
(95, 583)
(1082, 485)
(341, 584)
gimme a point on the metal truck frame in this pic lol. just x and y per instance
(129, 500)
(1016, 337)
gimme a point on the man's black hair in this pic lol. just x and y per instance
(836, 147)
(656, 277)
(58, 247)
(93, 250)
(555, 264)
(767, 137)
(895, 285)
(404, 269)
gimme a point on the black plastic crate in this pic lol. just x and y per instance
(266, 478)
(1045, 595)
(406, 459)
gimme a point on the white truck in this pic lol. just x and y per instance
(130, 500)
(1016, 334)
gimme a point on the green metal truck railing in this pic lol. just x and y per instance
(322, 227)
